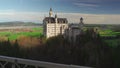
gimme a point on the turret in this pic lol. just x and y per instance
(50, 12)
(81, 22)
(55, 18)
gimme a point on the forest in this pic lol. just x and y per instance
(90, 49)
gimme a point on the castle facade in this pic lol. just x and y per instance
(54, 26)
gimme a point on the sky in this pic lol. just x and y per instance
(93, 11)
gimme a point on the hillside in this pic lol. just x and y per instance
(19, 23)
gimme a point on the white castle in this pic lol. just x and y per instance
(54, 26)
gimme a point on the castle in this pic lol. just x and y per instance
(54, 26)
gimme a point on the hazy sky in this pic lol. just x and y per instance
(93, 11)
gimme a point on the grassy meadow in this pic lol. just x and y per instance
(13, 35)
(26, 37)
(113, 42)
(108, 32)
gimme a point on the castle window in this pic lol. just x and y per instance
(64, 21)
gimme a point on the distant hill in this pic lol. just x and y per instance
(19, 23)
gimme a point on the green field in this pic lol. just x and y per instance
(36, 32)
(108, 32)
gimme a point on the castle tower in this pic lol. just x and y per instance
(55, 18)
(81, 22)
(50, 12)
(56, 24)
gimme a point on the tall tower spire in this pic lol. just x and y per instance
(50, 12)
